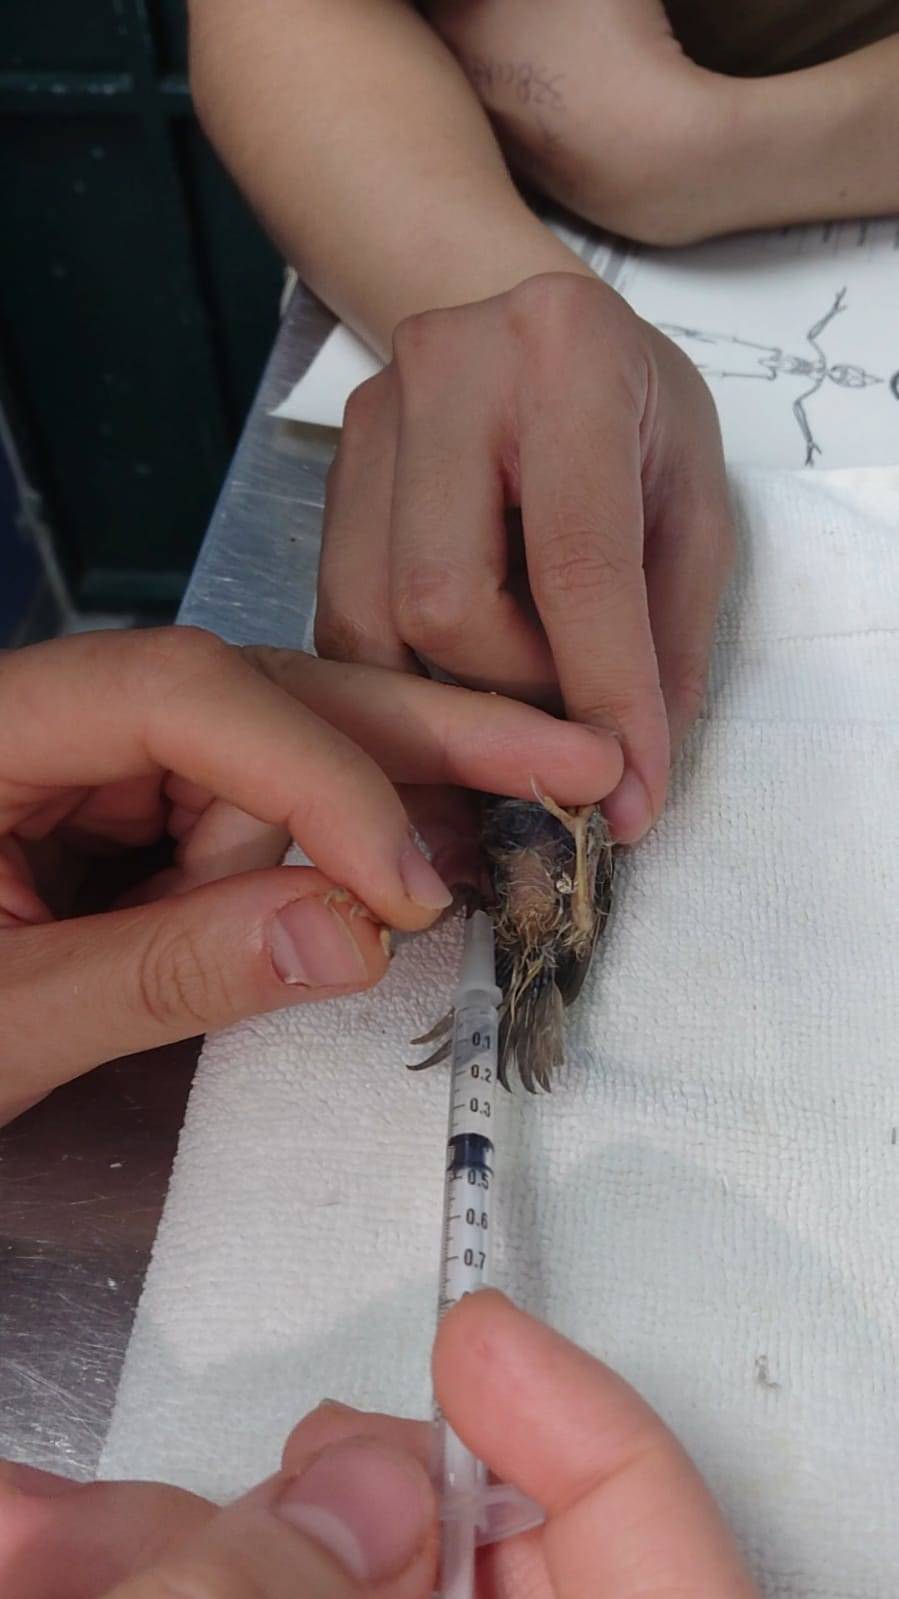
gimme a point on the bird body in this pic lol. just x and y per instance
(551, 874)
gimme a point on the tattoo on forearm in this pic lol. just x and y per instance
(530, 85)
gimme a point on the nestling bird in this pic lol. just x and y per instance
(551, 874)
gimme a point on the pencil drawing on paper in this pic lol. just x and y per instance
(743, 358)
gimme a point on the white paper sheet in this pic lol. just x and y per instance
(797, 335)
(342, 363)
(796, 332)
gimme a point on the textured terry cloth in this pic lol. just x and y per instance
(709, 1200)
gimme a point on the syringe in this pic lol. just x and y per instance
(473, 1512)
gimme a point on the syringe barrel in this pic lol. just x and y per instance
(473, 1512)
(478, 963)
(467, 1222)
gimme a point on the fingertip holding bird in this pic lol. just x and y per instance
(328, 941)
(423, 885)
(584, 768)
(609, 761)
(629, 809)
(312, 947)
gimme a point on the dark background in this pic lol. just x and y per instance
(138, 298)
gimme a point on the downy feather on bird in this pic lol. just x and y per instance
(551, 874)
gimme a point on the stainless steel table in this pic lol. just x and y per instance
(83, 1176)
(254, 581)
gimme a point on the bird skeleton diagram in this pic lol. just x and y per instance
(742, 358)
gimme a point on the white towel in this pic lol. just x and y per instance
(709, 1201)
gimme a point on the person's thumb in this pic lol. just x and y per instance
(360, 1515)
(79, 992)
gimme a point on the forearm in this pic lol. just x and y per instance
(363, 149)
(596, 102)
(818, 144)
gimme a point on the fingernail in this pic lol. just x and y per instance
(369, 1506)
(628, 810)
(421, 882)
(313, 947)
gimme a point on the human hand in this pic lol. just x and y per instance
(556, 399)
(114, 740)
(627, 1514)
